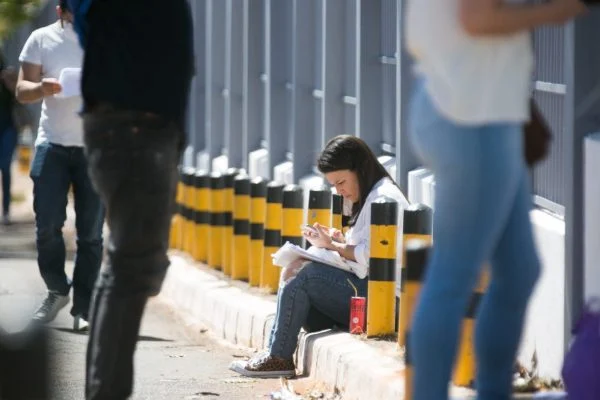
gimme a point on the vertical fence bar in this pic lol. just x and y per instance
(277, 55)
(369, 73)
(304, 135)
(234, 141)
(253, 69)
(215, 76)
(332, 55)
(197, 125)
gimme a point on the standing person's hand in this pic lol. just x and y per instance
(321, 238)
(50, 86)
(565, 10)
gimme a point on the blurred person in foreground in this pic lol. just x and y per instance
(135, 99)
(472, 98)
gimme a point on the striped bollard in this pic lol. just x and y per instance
(293, 214)
(381, 299)
(202, 216)
(240, 251)
(177, 220)
(189, 200)
(269, 277)
(417, 252)
(228, 196)
(258, 211)
(217, 221)
(416, 225)
(464, 370)
(319, 208)
(337, 205)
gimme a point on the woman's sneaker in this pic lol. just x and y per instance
(265, 366)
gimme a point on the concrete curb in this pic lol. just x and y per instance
(357, 368)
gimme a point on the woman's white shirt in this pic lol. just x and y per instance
(471, 80)
(359, 235)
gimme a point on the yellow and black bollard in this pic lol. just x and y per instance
(258, 211)
(177, 220)
(416, 225)
(381, 299)
(240, 251)
(269, 276)
(293, 214)
(217, 221)
(337, 206)
(319, 208)
(464, 370)
(202, 216)
(228, 195)
(417, 252)
(189, 233)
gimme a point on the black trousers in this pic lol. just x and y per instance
(133, 158)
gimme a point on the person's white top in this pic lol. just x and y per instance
(56, 48)
(359, 235)
(471, 80)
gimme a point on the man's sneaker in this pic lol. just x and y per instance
(50, 307)
(80, 324)
(264, 366)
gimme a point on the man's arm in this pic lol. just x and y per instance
(494, 17)
(31, 88)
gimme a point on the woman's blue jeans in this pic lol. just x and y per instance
(318, 292)
(481, 214)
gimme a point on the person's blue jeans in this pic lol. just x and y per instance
(317, 291)
(8, 143)
(54, 170)
(481, 213)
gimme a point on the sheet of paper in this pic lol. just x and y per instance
(70, 80)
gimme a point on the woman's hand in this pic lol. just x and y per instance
(322, 238)
(337, 235)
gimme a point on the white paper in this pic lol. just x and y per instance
(70, 80)
(290, 252)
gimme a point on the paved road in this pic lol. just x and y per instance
(171, 363)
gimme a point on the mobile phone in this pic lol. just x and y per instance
(310, 229)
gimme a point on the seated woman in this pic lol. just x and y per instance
(318, 296)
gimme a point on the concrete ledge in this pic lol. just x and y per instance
(360, 369)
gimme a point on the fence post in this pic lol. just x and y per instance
(337, 207)
(269, 277)
(464, 370)
(258, 210)
(293, 214)
(240, 250)
(177, 220)
(381, 299)
(202, 216)
(417, 252)
(319, 207)
(228, 179)
(416, 225)
(217, 220)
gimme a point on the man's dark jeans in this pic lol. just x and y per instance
(133, 159)
(54, 170)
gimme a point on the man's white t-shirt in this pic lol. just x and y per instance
(55, 47)
(471, 80)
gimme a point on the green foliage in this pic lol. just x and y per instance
(15, 12)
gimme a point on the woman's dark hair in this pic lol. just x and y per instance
(64, 5)
(352, 153)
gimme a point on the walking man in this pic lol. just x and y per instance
(136, 78)
(58, 164)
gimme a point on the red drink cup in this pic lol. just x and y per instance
(358, 307)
